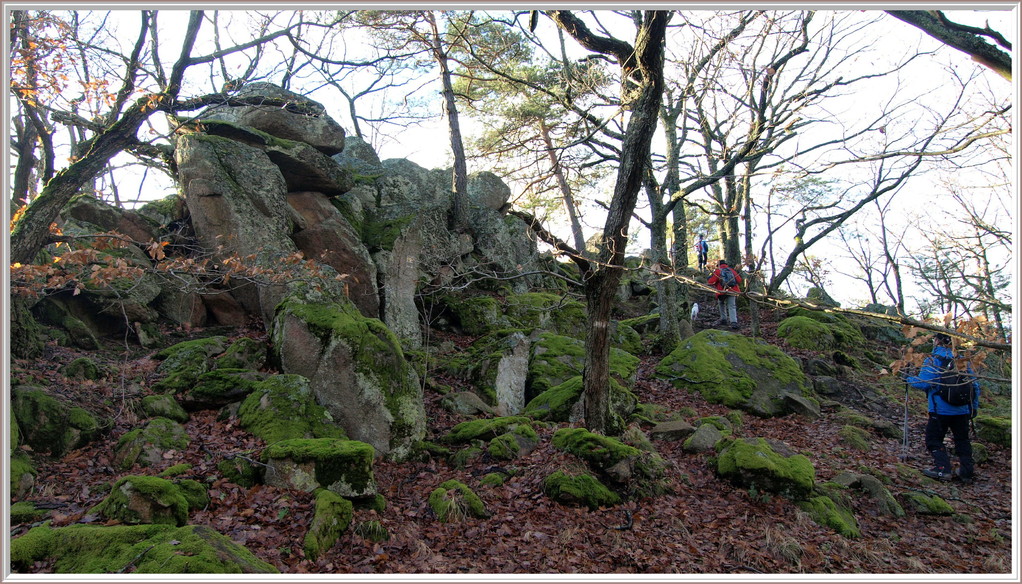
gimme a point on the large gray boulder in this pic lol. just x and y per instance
(356, 370)
(740, 372)
(283, 114)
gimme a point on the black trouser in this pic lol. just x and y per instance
(936, 429)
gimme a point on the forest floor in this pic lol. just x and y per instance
(704, 526)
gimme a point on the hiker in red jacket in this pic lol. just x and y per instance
(727, 280)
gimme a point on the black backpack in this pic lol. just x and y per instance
(952, 386)
(727, 277)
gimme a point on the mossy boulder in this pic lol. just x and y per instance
(453, 501)
(923, 504)
(497, 366)
(805, 333)
(885, 503)
(164, 406)
(26, 512)
(703, 439)
(739, 372)
(846, 333)
(562, 403)
(767, 466)
(860, 420)
(282, 407)
(244, 353)
(853, 437)
(81, 368)
(579, 489)
(356, 370)
(147, 445)
(640, 472)
(477, 315)
(23, 474)
(342, 466)
(146, 499)
(484, 429)
(139, 549)
(219, 387)
(510, 445)
(333, 515)
(549, 312)
(241, 471)
(183, 363)
(994, 430)
(825, 511)
(49, 425)
(557, 358)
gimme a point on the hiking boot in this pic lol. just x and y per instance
(721, 322)
(966, 479)
(734, 325)
(936, 473)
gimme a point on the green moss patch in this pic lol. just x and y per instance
(805, 333)
(826, 512)
(582, 489)
(342, 466)
(183, 363)
(282, 407)
(51, 426)
(736, 371)
(994, 430)
(146, 446)
(144, 499)
(484, 429)
(142, 549)
(333, 515)
(922, 504)
(753, 462)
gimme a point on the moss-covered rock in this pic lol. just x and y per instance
(22, 477)
(183, 363)
(739, 372)
(885, 502)
(549, 312)
(219, 387)
(854, 438)
(803, 332)
(26, 512)
(147, 445)
(755, 462)
(342, 466)
(510, 445)
(333, 515)
(81, 368)
(994, 430)
(860, 420)
(484, 429)
(923, 504)
(453, 501)
(141, 549)
(703, 439)
(244, 353)
(477, 315)
(145, 499)
(164, 406)
(826, 512)
(580, 489)
(51, 426)
(557, 358)
(846, 333)
(356, 370)
(640, 471)
(26, 337)
(282, 407)
(562, 403)
(241, 471)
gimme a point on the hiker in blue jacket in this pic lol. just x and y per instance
(944, 416)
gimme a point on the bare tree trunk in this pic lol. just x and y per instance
(562, 183)
(642, 88)
(459, 180)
